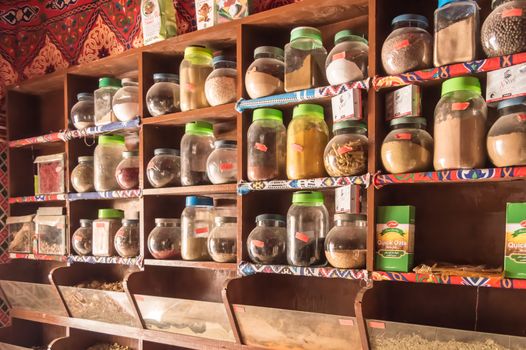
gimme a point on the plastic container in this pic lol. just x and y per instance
(408, 148)
(506, 141)
(127, 172)
(83, 112)
(194, 69)
(221, 84)
(127, 239)
(221, 166)
(82, 175)
(104, 230)
(50, 231)
(197, 221)
(345, 245)
(164, 169)
(107, 156)
(81, 241)
(503, 30)
(126, 100)
(21, 233)
(196, 146)
(409, 47)
(456, 32)
(348, 60)
(346, 152)
(103, 97)
(304, 60)
(307, 136)
(164, 241)
(164, 95)
(51, 172)
(307, 226)
(267, 243)
(222, 240)
(460, 126)
(266, 75)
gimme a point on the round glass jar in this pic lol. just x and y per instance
(197, 221)
(346, 152)
(103, 97)
(267, 243)
(196, 145)
(127, 239)
(164, 241)
(221, 84)
(164, 95)
(265, 76)
(409, 47)
(221, 166)
(83, 112)
(127, 172)
(503, 31)
(164, 169)
(126, 100)
(408, 148)
(348, 60)
(107, 157)
(345, 245)
(82, 238)
(82, 175)
(194, 69)
(104, 230)
(222, 240)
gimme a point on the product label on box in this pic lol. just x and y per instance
(348, 199)
(403, 102)
(205, 11)
(100, 241)
(515, 246)
(151, 21)
(229, 10)
(347, 106)
(506, 83)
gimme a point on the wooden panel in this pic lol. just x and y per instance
(29, 334)
(80, 339)
(155, 346)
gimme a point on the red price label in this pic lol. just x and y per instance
(302, 237)
(201, 230)
(376, 324)
(402, 44)
(239, 308)
(344, 149)
(459, 106)
(346, 322)
(403, 136)
(513, 12)
(226, 166)
(338, 56)
(261, 147)
(521, 117)
(259, 244)
(297, 148)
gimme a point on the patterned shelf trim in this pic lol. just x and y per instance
(54, 137)
(248, 269)
(38, 198)
(105, 195)
(137, 261)
(26, 256)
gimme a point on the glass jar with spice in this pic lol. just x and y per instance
(103, 100)
(346, 152)
(267, 243)
(82, 175)
(107, 157)
(221, 166)
(304, 59)
(345, 245)
(104, 230)
(221, 84)
(307, 136)
(127, 172)
(164, 241)
(82, 238)
(194, 69)
(222, 240)
(164, 169)
(408, 148)
(349, 58)
(127, 239)
(126, 100)
(164, 95)
(196, 145)
(265, 76)
(197, 222)
(83, 112)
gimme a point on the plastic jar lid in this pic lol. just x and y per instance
(193, 201)
(411, 17)
(197, 51)
(108, 139)
(346, 124)
(224, 60)
(512, 102)
(86, 222)
(166, 151)
(267, 114)
(109, 82)
(408, 120)
(84, 96)
(313, 197)
(111, 214)
(350, 217)
(173, 221)
(347, 35)
(225, 220)
(166, 76)
(130, 221)
(129, 154)
(308, 109)
(225, 144)
(277, 52)
(305, 33)
(203, 128)
(461, 84)
(274, 217)
(85, 159)
(442, 3)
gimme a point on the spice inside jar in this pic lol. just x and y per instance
(345, 245)
(127, 172)
(163, 97)
(82, 238)
(164, 241)
(197, 222)
(349, 58)
(83, 112)
(196, 145)
(194, 69)
(126, 100)
(107, 156)
(221, 84)
(267, 242)
(127, 239)
(164, 169)
(104, 230)
(222, 241)
(346, 152)
(103, 97)
(221, 166)
(82, 175)
(265, 76)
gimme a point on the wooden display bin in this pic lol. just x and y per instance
(155, 346)
(27, 335)
(82, 340)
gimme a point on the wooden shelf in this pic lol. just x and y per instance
(191, 190)
(45, 257)
(211, 114)
(248, 269)
(212, 265)
(303, 184)
(39, 198)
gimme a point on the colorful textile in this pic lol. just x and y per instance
(137, 261)
(104, 195)
(247, 269)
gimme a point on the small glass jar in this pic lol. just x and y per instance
(307, 226)
(266, 75)
(127, 239)
(460, 126)
(221, 166)
(507, 137)
(82, 175)
(503, 30)
(103, 97)
(408, 148)
(83, 112)
(221, 84)
(127, 172)
(267, 243)
(409, 47)
(196, 145)
(126, 100)
(104, 230)
(348, 60)
(82, 238)
(164, 96)
(345, 245)
(164, 169)
(108, 155)
(222, 241)
(197, 222)
(304, 60)
(194, 69)
(164, 241)
(346, 152)
(307, 136)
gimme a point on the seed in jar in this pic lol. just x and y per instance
(503, 32)
(407, 52)
(220, 90)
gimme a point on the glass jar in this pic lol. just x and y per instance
(131, 141)
(126, 100)
(307, 226)
(304, 60)
(164, 96)
(104, 230)
(345, 245)
(408, 148)
(197, 222)
(222, 241)
(196, 145)
(108, 155)
(82, 175)
(348, 60)
(307, 136)
(460, 125)
(127, 239)
(456, 31)
(83, 112)
(267, 243)
(127, 172)
(221, 166)
(409, 47)
(507, 137)
(164, 169)
(194, 69)
(265, 76)
(103, 100)
(164, 241)
(346, 152)
(503, 30)
(221, 84)
(82, 238)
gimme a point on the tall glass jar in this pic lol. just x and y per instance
(307, 226)
(265, 76)
(345, 245)
(107, 157)
(349, 58)
(164, 95)
(221, 166)
(127, 172)
(197, 223)
(82, 238)
(103, 100)
(222, 241)
(304, 60)
(83, 112)
(460, 125)
(267, 243)
(127, 239)
(346, 152)
(503, 30)
(164, 241)
(307, 136)
(82, 175)
(196, 145)
(221, 84)
(164, 169)
(104, 230)
(194, 69)
(126, 100)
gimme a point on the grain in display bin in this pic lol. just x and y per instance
(37, 297)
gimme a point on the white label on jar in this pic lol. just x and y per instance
(403, 102)
(506, 83)
(101, 238)
(347, 106)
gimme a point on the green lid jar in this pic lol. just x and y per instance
(196, 145)
(111, 139)
(267, 114)
(308, 110)
(110, 214)
(193, 71)
(199, 128)
(307, 198)
(104, 230)
(461, 84)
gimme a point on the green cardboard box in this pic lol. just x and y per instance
(515, 247)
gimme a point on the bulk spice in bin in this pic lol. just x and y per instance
(197, 221)
(164, 169)
(193, 71)
(196, 145)
(164, 95)
(265, 76)
(348, 60)
(164, 241)
(267, 243)
(83, 112)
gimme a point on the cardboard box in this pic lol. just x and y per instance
(229, 10)
(506, 83)
(404, 102)
(515, 247)
(350, 199)
(205, 13)
(347, 106)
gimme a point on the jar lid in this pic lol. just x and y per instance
(107, 81)
(130, 221)
(314, 197)
(167, 221)
(107, 139)
(512, 102)
(350, 217)
(347, 35)
(346, 124)
(166, 76)
(86, 222)
(267, 114)
(224, 59)
(461, 84)
(193, 201)
(408, 120)
(85, 96)
(111, 214)
(168, 151)
(305, 33)
(308, 109)
(445, 2)
(271, 50)
(225, 220)
(225, 144)
(275, 217)
(197, 51)
(85, 159)
(199, 128)
(128, 154)
(129, 81)
(411, 17)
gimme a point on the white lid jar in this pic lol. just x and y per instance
(126, 100)
(164, 241)
(164, 95)
(104, 230)
(103, 97)
(346, 152)
(345, 244)
(197, 221)
(196, 145)
(164, 169)
(81, 241)
(265, 76)
(194, 69)
(221, 166)
(107, 157)
(83, 112)
(267, 242)
(222, 241)
(348, 60)
(221, 84)
(82, 175)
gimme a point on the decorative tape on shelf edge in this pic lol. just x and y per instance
(38, 198)
(45, 257)
(105, 195)
(135, 261)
